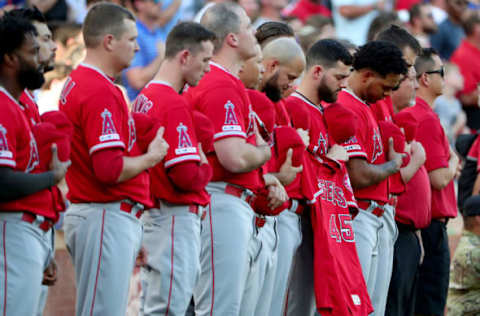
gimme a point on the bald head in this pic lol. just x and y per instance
(284, 50)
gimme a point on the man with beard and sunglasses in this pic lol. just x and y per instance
(25, 204)
(327, 69)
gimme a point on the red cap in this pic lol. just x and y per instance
(389, 130)
(408, 122)
(60, 120)
(203, 130)
(146, 128)
(285, 138)
(342, 123)
(45, 135)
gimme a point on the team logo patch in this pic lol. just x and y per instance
(185, 145)
(252, 116)
(132, 134)
(109, 131)
(34, 157)
(356, 300)
(322, 144)
(4, 151)
(142, 104)
(377, 145)
(231, 121)
(67, 88)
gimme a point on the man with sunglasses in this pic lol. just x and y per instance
(442, 165)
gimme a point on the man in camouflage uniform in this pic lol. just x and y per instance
(464, 288)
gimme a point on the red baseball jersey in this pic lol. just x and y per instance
(30, 107)
(366, 144)
(432, 136)
(223, 98)
(383, 109)
(467, 58)
(19, 151)
(334, 231)
(97, 109)
(160, 101)
(281, 115)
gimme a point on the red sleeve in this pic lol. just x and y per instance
(190, 176)
(108, 165)
(8, 142)
(299, 115)
(225, 107)
(101, 122)
(432, 137)
(357, 146)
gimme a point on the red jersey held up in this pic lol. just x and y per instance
(367, 144)
(171, 110)
(19, 151)
(98, 111)
(432, 136)
(222, 97)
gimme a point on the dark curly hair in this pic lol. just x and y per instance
(31, 14)
(382, 57)
(13, 31)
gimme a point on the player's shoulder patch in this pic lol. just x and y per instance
(231, 122)
(109, 132)
(5, 152)
(185, 145)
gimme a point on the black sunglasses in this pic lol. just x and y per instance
(440, 71)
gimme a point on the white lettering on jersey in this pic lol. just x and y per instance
(142, 104)
(132, 134)
(67, 88)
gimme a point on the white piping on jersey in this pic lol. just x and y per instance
(212, 63)
(106, 145)
(301, 97)
(355, 96)
(218, 135)
(8, 162)
(180, 159)
(97, 70)
(159, 82)
(2, 89)
(357, 153)
(29, 95)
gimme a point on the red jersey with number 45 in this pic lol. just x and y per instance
(223, 98)
(366, 144)
(160, 101)
(98, 111)
(19, 151)
(333, 234)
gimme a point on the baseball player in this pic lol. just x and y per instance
(108, 185)
(378, 68)
(229, 239)
(26, 215)
(46, 56)
(326, 60)
(172, 229)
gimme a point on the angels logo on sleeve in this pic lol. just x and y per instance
(5, 153)
(252, 116)
(108, 128)
(377, 145)
(185, 145)
(67, 88)
(231, 121)
(142, 104)
(132, 134)
(322, 144)
(34, 157)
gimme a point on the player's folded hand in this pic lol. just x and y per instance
(393, 155)
(277, 195)
(338, 153)
(59, 168)
(158, 147)
(50, 274)
(288, 172)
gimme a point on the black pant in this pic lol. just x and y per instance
(406, 260)
(434, 275)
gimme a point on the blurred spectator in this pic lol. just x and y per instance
(170, 15)
(352, 18)
(53, 10)
(151, 40)
(77, 10)
(251, 7)
(303, 9)
(422, 24)
(464, 288)
(381, 23)
(7, 5)
(316, 28)
(450, 32)
(447, 106)
(467, 57)
(270, 10)
(207, 5)
(65, 35)
(438, 10)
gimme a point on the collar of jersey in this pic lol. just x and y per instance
(297, 94)
(212, 63)
(2, 89)
(97, 70)
(354, 95)
(160, 82)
